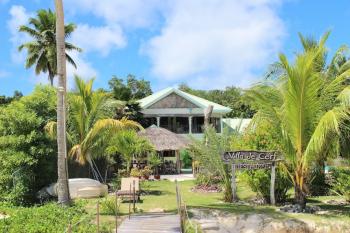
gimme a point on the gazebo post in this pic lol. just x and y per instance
(178, 164)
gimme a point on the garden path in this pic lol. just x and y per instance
(151, 223)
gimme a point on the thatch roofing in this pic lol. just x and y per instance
(163, 139)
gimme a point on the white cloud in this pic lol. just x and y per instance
(98, 39)
(130, 13)
(84, 69)
(216, 44)
(19, 16)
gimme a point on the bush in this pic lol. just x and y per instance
(108, 206)
(260, 182)
(341, 182)
(135, 172)
(186, 159)
(146, 171)
(207, 179)
(27, 155)
(46, 218)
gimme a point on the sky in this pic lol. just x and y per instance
(205, 43)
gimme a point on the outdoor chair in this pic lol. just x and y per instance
(125, 192)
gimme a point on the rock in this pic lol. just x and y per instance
(4, 216)
(223, 222)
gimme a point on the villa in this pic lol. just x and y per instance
(181, 112)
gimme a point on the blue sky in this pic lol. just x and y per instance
(204, 43)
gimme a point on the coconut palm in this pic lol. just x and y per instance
(62, 170)
(130, 146)
(308, 108)
(42, 50)
(90, 125)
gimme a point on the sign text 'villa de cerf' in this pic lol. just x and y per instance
(264, 157)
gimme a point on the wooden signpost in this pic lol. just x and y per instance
(251, 160)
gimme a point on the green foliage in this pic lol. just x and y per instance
(133, 89)
(341, 181)
(307, 105)
(42, 50)
(27, 155)
(49, 218)
(207, 179)
(129, 145)
(186, 159)
(208, 153)
(109, 206)
(231, 97)
(6, 100)
(260, 182)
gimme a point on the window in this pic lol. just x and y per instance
(198, 124)
(175, 124)
(149, 121)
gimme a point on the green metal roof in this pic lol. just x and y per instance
(200, 102)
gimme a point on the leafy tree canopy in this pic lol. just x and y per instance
(130, 88)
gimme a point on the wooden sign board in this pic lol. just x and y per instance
(230, 156)
(262, 160)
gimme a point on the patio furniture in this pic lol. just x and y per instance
(125, 192)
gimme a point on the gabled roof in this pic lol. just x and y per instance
(200, 102)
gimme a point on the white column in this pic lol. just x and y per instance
(190, 124)
(158, 121)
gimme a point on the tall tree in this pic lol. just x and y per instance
(42, 50)
(307, 108)
(62, 168)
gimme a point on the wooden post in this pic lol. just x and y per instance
(69, 229)
(98, 216)
(129, 201)
(177, 196)
(116, 211)
(233, 183)
(272, 187)
(133, 197)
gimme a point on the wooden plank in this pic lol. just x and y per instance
(151, 223)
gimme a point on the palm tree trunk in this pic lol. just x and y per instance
(299, 195)
(63, 188)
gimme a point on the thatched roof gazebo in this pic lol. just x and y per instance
(165, 140)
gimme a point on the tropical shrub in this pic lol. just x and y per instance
(341, 181)
(260, 182)
(46, 218)
(207, 179)
(146, 171)
(208, 154)
(186, 158)
(109, 206)
(135, 172)
(27, 155)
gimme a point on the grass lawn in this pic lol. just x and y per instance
(162, 195)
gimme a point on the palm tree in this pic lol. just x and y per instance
(62, 170)
(42, 50)
(90, 125)
(130, 146)
(308, 108)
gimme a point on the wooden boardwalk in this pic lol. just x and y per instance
(151, 223)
